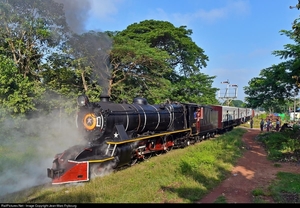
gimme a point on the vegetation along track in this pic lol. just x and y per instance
(252, 171)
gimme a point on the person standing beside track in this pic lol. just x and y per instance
(262, 123)
(268, 124)
(277, 124)
(197, 116)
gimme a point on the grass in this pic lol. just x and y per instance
(284, 189)
(281, 147)
(180, 176)
(220, 200)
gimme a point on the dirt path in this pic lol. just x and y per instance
(252, 171)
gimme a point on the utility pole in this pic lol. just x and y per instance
(294, 105)
(295, 27)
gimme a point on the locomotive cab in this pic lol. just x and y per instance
(202, 120)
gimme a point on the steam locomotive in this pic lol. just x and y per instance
(118, 135)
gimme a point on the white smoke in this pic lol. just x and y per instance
(28, 154)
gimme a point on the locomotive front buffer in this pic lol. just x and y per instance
(65, 170)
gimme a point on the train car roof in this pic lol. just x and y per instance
(196, 104)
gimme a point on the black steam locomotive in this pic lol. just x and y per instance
(120, 134)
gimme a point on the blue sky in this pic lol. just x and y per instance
(238, 36)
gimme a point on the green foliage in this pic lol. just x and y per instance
(196, 89)
(17, 94)
(290, 145)
(30, 31)
(91, 62)
(202, 155)
(286, 188)
(279, 144)
(220, 200)
(138, 71)
(184, 53)
(151, 59)
(257, 192)
(277, 84)
(267, 93)
(154, 56)
(43, 29)
(238, 103)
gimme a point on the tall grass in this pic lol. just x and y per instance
(279, 144)
(180, 176)
(286, 189)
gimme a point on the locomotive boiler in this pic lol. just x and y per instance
(119, 134)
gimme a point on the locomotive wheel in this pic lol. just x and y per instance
(147, 156)
(170, 148)
(196, 140)
(169, 142)
(207, 135)
(134, 158)
(158, 152)
(185, 143)
(133, 161)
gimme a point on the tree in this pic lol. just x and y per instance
(138, 70)
(90, 53)
(277, 84)
(273, 86)
(30, 31)
(16, 92)
(27, 30)
(196, 89)
(238, 103)
(184, 54)
(154, 56)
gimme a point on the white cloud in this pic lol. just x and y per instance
(232, 8)
(104, 9)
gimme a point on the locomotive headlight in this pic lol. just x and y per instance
(89, 121)
(82, 100)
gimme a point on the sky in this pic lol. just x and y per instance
(238, 36)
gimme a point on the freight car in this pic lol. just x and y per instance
(118, 135)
